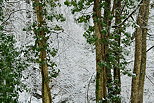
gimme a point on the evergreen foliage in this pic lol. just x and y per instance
(10, 69)
(11, 66)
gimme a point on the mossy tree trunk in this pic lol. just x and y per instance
(107, 26)
(117, 79)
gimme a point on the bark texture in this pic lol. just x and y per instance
(107, 22)
(117, 79)
(145, 17)
(100, 53)
(42, 43)
(103, 75)
(140, 53)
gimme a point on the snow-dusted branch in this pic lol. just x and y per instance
(10, 15)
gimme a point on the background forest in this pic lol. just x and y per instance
(76, 51)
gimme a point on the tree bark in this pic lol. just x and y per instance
(137, 64)
(103, 74)
(145, 17)
(100, 54)
(107, 22)
(140, 54)
(42, 43)
(117, 79)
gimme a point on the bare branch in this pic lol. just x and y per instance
(130, 15)
(10, 15)
(150, 80)
(150, 48)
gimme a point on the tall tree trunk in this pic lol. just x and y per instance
(42, 44)
(137, 64)
(117, 80)
(103, 75)
(145, 18)
(107, 22)
(140, 54)
(100, 53)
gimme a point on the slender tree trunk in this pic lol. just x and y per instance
(140, 54)
(137, 63)
(107, 22)
(145, 17)
(117, 80)
(42, 44)
(100, 53)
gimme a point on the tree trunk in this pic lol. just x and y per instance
(117, 80)
(100, 53)
(137, 65)
(145, 17)
(140, 54)
(107, 22)
(42, 44)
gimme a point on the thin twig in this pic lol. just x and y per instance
(150, 48)
(150, 80)
(10, 15)
(146, 51)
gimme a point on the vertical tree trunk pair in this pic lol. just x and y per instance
(100, 53)
(103, 74)
(42, 44)
(140, 53)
